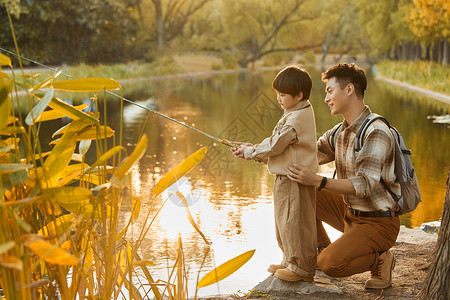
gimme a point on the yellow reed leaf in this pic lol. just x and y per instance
(179, 171)
(104, 158)
(52, 253)
(7, 246)
(141, 263)
(225, 269)
(39, 108)
(92, 133)
(4, 101)
(66, 245)
(136, 208)
(190, 218)
(86, 85)
(58, 226)
(11, 262)
(12, 130)
(75, 125)
(54, 114)
(134, 157)
(71, 112)
(4, 60)
(59, 158)
(68, 195)
(46, 82)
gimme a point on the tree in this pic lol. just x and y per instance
(251, 29)
(430, 21)
(75, 31)
(438, 281)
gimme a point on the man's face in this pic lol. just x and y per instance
(336, 98)
(287, 101)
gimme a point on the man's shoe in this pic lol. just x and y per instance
(381, 275)
(273, 268)
(288, 275)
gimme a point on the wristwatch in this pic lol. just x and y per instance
(322, 183)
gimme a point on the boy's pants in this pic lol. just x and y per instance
(362, 241)
(295, 225)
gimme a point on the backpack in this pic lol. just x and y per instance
(404, 170)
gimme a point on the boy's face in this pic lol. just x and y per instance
(287, 101)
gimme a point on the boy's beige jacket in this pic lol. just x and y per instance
(292, 141)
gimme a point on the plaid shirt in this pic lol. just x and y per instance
(364, 169)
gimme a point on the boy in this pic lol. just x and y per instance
(292, 140)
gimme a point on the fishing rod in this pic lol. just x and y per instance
(222, 141)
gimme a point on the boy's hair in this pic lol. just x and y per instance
(292, 80)
(347, 73)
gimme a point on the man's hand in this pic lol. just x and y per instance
(303, 175)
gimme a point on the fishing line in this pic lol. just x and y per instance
(222, 141)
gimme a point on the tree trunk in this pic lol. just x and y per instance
(437, 285)
(445, 54)
(159, 23)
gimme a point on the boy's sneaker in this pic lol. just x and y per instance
(288, 275)
(273, 268)
(381, 275)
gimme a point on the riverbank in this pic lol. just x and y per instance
(414, 253)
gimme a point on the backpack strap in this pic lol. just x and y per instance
(359, 139)
(333, 135)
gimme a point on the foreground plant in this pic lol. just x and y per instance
(61, 232)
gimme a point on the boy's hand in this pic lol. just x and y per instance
(238, 151)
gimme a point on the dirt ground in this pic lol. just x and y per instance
(411, 269)
(413, 262)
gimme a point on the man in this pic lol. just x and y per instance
(356, 203)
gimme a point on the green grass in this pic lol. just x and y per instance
(425, 74)
(163, 66)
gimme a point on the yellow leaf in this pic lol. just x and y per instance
(225, 269)
(39, 108)
(136, 208)
(52, 253)
(7, 246)
(86, 85)
(4, 60)
(59, 158)
(68, 195)
(11, 262)
(4, 101)
(54, 114)
(141, 263)
(57, 227)
(70, 111)
(92, 133)
(179, 171)
(46, 82)
(75, 125)
(135, 156)
(104, 158)
(190, 218)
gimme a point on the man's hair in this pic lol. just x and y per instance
(292, 80)
(345, 74)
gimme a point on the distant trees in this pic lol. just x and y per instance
(252, 29)
(73, 31)
(243, 31)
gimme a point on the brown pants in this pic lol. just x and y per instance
(362, 241)
(295, 225)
